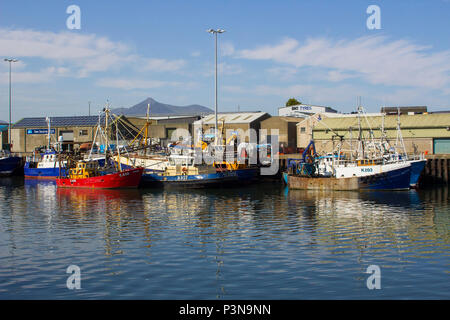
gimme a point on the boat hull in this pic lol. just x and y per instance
(246, 175)
(417, 167)
(42, 173)
(398, 179)
(191, 181)
(155, 178)
(10, 165)
(125, 179)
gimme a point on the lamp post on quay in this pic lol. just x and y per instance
(215, 32)
(10, 60)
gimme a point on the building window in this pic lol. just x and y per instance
(83, 132)
(302, 129)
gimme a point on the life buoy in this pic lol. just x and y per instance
(184, 170)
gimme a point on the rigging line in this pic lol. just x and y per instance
(124, 124)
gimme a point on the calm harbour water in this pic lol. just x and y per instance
(256, 242)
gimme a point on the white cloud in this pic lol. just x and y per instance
(79, 55)
(43, 75)
(162, 64)
(377, 60)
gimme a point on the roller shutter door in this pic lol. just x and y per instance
(442, 146)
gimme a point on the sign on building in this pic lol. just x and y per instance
(40, 131)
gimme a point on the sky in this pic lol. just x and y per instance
(319, 52)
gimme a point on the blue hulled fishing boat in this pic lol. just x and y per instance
(9, 164)
(44, 166)
(417, 167)
(360, 174)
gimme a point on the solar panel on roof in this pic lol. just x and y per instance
(59, 121)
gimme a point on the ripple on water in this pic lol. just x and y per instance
(257, 242)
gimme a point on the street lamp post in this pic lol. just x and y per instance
(215, 32)
(10, 60)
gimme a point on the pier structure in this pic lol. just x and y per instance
(437, 169)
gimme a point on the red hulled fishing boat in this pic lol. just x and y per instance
(87, 175)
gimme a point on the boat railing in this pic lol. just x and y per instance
(416, 156)
(358, 162)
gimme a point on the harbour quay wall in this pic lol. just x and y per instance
(437, 169)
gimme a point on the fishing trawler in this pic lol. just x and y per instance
(373, 156)
(9, 164)
(346, 175)
(178, 168)
(368, 170)
(88, 173)
(182, 171)
(235, 157)
(46, 165)
(143, 153)
(398, 153)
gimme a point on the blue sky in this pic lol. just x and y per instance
(320, 52)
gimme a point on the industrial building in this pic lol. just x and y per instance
(233, 121)
(422, 132)
(164, 128)
(69, 132)
(4, 136)
(304, 110)
(287, 131)
(405, 110)
(31, 133)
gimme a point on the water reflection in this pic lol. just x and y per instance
(252, 242)
(375, 221)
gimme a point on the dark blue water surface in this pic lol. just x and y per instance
(255, 242)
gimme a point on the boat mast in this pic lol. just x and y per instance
(399, 141)
(147, 124)
(351, 143)
(360, 142)
(48, 133)
(95, 136)
(117, 146)
(106, 132)
(383, 135)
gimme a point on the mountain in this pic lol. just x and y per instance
(158, 108)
